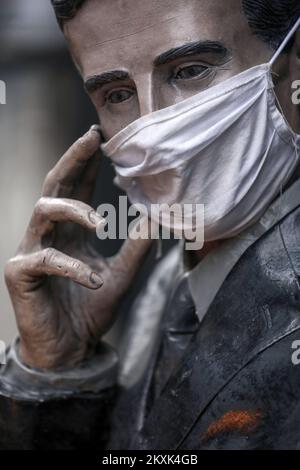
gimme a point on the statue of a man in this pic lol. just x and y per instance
(195, 104)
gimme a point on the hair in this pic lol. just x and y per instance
(270, 20)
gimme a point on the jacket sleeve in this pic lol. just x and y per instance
(75, 408)
(65, 409)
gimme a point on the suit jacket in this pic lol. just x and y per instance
(233, 384)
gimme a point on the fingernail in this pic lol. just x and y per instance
(95, 218)
(96, 280)
(96, 128)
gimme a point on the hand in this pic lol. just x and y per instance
(64, 294)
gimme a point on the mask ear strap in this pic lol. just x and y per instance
(284, 43)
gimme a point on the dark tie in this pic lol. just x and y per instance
(179, 325)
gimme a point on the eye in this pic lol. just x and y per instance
(192, 71)
(118, 96)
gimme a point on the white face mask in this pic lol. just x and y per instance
(228, 147)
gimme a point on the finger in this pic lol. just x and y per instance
(84, 189)
(49, 211)
(50, 262)
(61, 179)
(133, 251)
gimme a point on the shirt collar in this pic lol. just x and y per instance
(206, 278)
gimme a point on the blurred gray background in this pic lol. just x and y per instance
(46, 110)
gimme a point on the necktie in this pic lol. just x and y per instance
(180, 324)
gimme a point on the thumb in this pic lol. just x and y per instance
(135, 248)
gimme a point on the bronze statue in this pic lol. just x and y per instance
(182, 379)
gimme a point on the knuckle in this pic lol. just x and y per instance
(10, 271)
(40, 205)
(75, 265)
(84, 210)
(48, 256)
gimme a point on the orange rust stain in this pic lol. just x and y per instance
(239, 420)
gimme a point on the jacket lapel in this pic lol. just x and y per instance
(233, 332)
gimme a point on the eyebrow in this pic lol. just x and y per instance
(192, 48)
(97, 81)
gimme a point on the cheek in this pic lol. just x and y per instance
(167, 94)
(113, 118)
(172, 94)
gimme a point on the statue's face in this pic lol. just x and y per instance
(137, 56)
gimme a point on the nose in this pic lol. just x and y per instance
(145, 93)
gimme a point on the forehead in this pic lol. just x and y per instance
(114, 34)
